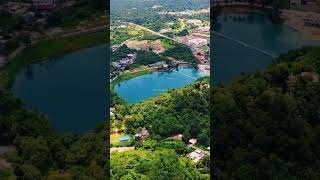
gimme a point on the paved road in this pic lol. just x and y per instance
(151, 31)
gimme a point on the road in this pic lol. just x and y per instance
(152, 32)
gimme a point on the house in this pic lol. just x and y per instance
(177, 137)
(144, 133)
(196, 155)
(313, 76)
(197, 42)
(193, 141)
(196, 22)
(158, 64)
(111, 111)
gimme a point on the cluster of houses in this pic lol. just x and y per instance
(309, 75)
(124, 62)
(312, 19)
(194, 41)
(161, 64)
(34, 13)
(186, 12)
(198, 154)
(200, 46)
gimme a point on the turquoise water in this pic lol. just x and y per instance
(71, 90)
(155, 83)
(231, 59)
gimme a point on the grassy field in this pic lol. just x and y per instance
(115, 137)
(48, 49)
(130, 75)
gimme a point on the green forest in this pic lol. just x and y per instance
(156, 164)
(40, 152)
(172, 49)
(266, 124)
(142, 13)
(184, 110)
(43, 153)
(179, 111)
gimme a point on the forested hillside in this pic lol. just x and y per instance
(179, 111)
(184, 110)
(42, 153)
(142, 12)
(267, 124)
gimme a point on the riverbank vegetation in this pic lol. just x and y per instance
(45, 50)
(266, 124)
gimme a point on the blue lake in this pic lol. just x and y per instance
(230, 59)
(155, 83)
(71, 90)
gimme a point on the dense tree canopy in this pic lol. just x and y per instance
(40, 150)
(184, 110)
(158, 164)
(266, 124)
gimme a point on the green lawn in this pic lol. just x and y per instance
(115, 137)
(130, 75)
(47, 49)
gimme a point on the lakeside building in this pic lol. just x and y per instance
(158, 64)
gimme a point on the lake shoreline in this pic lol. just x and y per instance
(131, 75)
(45, 50)
(159, 81)
(226, 10)
(289, 18)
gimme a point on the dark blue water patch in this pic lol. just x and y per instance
(137, 89)
(71, 90)
(230, 59)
